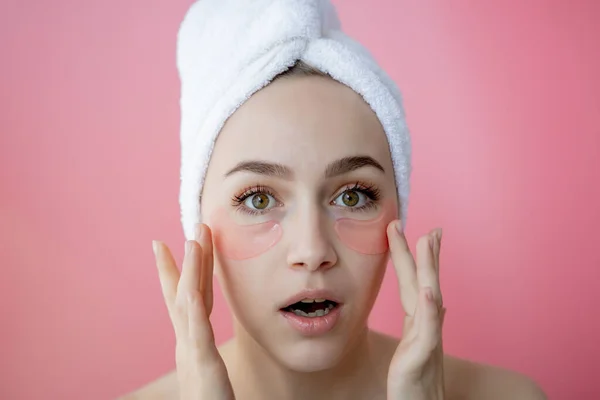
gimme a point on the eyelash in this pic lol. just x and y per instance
(371, 191)
(239, 199)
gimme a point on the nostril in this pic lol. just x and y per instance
(309, 247)
(313, 266)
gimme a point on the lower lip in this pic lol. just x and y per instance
(314, 326)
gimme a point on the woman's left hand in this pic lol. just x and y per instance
(416, 371)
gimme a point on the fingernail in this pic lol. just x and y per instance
(431, 242)
(155, 247)
(399, 226)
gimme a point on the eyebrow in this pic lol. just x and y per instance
(262, 168)
(336, 168)
(348, 164)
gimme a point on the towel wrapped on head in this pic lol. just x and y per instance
(229, 49)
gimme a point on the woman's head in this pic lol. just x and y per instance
(305, 173)
(306, 161)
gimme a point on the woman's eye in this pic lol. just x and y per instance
(260, 201)
(351, 198)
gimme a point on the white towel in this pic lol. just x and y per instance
(229, 49)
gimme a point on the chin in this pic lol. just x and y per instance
(310, 355)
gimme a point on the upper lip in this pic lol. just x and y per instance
(311, 294)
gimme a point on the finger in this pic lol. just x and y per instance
(428, 321)
(201, 336)
(204, 237)
(426, 273)
(168, 274)
(436, 250)
(404, 265)
(190, 272)
(437, 245)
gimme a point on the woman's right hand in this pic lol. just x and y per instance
(201, 372)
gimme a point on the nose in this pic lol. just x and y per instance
(309, 244)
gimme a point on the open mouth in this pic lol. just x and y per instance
(311, 308)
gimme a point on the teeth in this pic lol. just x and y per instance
(300, 313)
(318, 313)
(308, 301)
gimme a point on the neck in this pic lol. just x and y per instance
(258, 375)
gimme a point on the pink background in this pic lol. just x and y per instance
(503, 103)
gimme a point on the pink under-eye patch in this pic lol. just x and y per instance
(366, 236)
(241, 242)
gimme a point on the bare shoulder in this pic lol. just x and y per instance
(165, 387)
(468, 380)
(473, 380)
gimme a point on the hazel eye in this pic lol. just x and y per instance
(351, 198)
(260, 201)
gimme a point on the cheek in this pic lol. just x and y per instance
(369, 269)
(240, 281)
(365, 274)
(242, 242)
(366, 237)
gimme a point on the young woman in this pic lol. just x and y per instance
(302, 198)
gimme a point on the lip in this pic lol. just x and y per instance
(314, 326)
(312, 294)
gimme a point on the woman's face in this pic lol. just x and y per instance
(298, 193)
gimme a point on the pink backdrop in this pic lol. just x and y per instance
(503, 103)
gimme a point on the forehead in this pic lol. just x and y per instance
(301, 121)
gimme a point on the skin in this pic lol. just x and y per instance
(306, 124)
